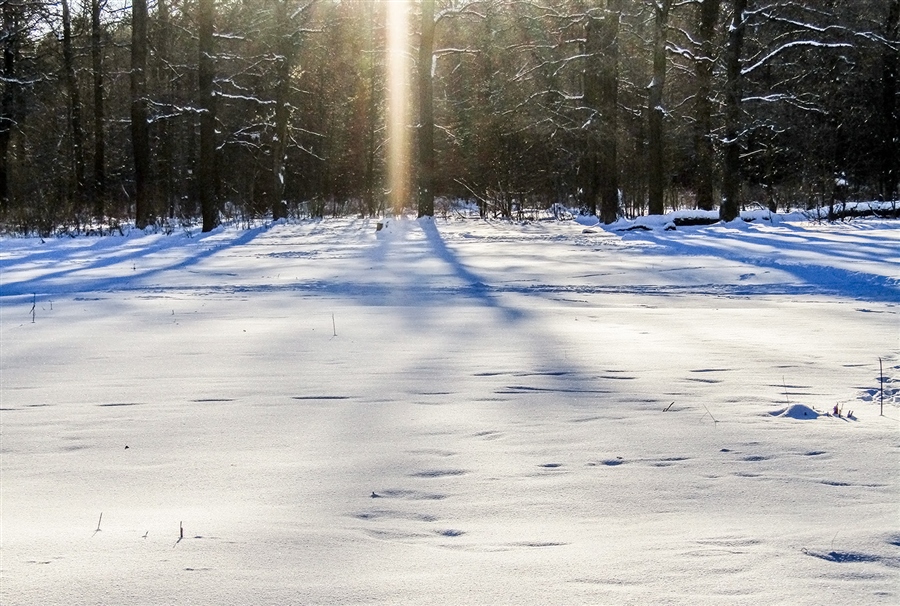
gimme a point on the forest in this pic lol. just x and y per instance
(156, 113)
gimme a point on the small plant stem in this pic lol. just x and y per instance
(881, 373)
(333, 325)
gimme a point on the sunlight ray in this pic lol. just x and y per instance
(398, 102)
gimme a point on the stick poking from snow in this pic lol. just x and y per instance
(709, 413)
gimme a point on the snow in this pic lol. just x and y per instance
(452, 412)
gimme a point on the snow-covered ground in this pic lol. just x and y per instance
(456, 412)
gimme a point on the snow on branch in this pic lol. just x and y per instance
(225, 36)
(465, 8)
(245, 98)
(681, 51)
(789, 99)
(790, 45)
(441, 52)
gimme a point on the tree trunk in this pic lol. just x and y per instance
(371, 115)
(590, 161)
(206, 168)
(71, 81)
(140, 134)
(425, 91)
(890, 158)
(656, 178)
(703, 143)
(605, 43)
(731, 170)
(284, 65)
(166, 167)
(99, 186)
(8, 101)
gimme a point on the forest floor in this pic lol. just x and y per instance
(452, 412)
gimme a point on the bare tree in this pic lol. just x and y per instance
(140, 133)
(425, 126)
(890, 142)
(731, 177)
(655, 110)
(74, 105)
(601, 94)
(704, 64)
(206, 168)
(99, 183)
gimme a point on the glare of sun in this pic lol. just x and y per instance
(398, 102)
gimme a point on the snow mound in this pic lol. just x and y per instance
(796, 411)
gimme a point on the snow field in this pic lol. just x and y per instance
(456, 412)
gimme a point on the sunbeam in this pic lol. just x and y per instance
(398, 102)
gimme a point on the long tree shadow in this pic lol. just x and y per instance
(828, 264)
(65, 281)
(476, 287)
(405, 270)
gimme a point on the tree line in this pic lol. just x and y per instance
(159, 110)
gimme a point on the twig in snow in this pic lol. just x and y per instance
(333, 325)
(34, 308)
(669, 407)
(708, 413)
(98, 524)
(180, 534)
(881, 372)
